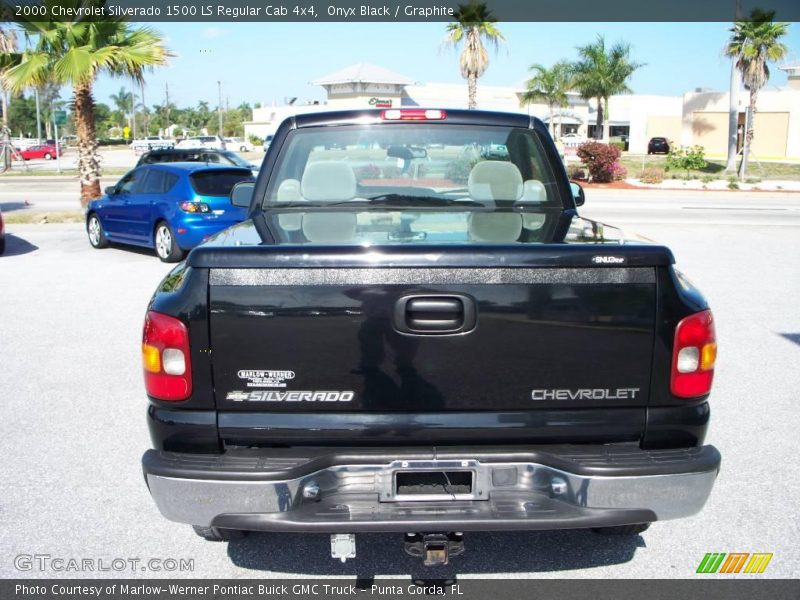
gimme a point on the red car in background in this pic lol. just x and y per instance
(45, 151)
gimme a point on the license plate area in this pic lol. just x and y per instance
(418, 481)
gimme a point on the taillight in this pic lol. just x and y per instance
(165, 357)
(413, 114)
(693, 356)
(195, 207)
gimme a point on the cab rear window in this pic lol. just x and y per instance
(218, 182)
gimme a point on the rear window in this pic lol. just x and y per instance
(217, 182)
(413, 183)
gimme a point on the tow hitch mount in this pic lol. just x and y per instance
(434, 548)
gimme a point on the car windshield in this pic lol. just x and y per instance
(237, 160)
(400, 183)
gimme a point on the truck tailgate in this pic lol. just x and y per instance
(536, 330)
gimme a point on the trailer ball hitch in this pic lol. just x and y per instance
(434, 548)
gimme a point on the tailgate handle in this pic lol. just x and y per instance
(435, 314)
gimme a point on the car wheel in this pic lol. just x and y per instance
(47, 156)
(2, 244)
(634, 529)
(217, 534)
(167, 247)
(94, 229)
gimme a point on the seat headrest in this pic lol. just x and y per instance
(495, 227)
(329, 227)
(491, 180)
(328, 181)
(288, 191)
(533, 191)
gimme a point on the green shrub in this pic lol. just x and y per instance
(618, 144)
(458, 170)
(576, 172)
(706, 179)
(733, 183)
(392, 172)
(600, 159)
(255, 140)
(652, 175)
(686, 158)
(112, 142)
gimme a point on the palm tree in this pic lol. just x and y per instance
(753, 43)
(8, 58)
(601, 73)
(123, 100)
(75, 53)
(549, 86)
(474, 24)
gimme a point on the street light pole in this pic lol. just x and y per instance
(733, 108)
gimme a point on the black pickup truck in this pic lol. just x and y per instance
(414, 331)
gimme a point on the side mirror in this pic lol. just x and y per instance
(577, 193)
(110, 190)
(242, 193)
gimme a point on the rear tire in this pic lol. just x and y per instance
(217, 534)
(620, 530)
(48, 156)
(166, 245)
(94, 229)
(2, 244)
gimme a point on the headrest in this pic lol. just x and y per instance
(328, 181)
(495, 227)
(329, 227)
(288, 191)
(491, 180)
(533, 191)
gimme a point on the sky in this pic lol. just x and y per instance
(266, 62)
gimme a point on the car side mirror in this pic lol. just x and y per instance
(577, 193)
(111, 190)
(242, 193)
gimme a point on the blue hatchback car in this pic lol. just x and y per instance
(170, 207)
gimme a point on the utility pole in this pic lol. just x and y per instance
(733, 108)
(166, 105)
(38, 117)
(144, 112)
(133, 112)
(219, 110)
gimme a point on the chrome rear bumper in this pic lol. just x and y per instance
(351, 494)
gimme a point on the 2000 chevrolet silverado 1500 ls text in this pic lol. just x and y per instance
(415, 332)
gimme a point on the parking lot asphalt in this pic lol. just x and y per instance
(73, 414)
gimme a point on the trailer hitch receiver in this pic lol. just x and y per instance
(434, 548)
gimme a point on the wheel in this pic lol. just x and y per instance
(97, 237)
(2, 244)
(634, 529)
(47, 156)
(243, 149)
(217, 534)
(166, 246)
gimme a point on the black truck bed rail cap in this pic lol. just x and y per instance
(473, 255)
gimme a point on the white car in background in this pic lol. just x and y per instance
(213, 142)
(151, 142)
(240, 144)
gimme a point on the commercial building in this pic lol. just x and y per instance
(696, 118)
